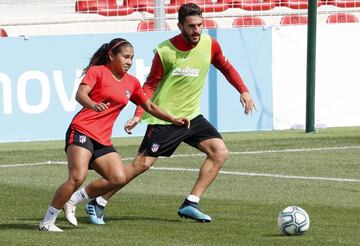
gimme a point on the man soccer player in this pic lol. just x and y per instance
(175, 82)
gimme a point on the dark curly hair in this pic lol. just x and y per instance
(101, 56)
(188, 9)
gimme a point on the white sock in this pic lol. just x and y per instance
(193, 198)
(101, 201)
(51, 215)
(79, 196)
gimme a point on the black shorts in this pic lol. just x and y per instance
(162, 140)
(97, 149)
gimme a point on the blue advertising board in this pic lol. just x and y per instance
(39, 77)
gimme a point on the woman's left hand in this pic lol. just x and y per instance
(182, 121)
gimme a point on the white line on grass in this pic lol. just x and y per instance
(260, 174)
(176, 169)
(34, 164)
(276, 151)
(221, 172)
(227, 172)
(201, 154)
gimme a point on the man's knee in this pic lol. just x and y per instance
(219, 155)
(222, 154)
(144, 163)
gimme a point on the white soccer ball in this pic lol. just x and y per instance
(293, 221)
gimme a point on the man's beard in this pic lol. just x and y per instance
(188, 38)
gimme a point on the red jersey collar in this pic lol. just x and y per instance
(181, 43)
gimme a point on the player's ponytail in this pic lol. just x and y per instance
(101, 56)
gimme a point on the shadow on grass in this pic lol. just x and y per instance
(34, 223)
(18, 226)
(85, 219)
(31, 227)
(139, 218)
(274, 235)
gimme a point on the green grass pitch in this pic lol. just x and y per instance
(265, 172)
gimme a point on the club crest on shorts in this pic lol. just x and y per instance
(155, 147)
(82, 138)
(128, 93)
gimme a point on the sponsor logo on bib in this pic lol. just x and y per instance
(191, 72)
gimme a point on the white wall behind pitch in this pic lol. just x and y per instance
(337, 76)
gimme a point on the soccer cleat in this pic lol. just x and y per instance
(191, 210)
(95, 212)
(49, 227)
(69, 210)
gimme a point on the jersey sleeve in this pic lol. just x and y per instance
(91, 77)
(226, 68)
(138, 96)
(152, 81)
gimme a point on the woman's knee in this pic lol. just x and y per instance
(76, 180)
(118, 180)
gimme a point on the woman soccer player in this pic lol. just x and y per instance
(104, 91)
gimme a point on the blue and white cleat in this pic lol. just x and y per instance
(95, 212)
(191, 210)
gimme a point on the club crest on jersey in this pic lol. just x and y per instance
(155, 147)
(82, 138)
(128, 93)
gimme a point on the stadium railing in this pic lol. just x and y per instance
(28, 17)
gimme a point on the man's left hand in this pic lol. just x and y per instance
(247, 103)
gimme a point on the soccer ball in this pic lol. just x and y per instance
(293, 221)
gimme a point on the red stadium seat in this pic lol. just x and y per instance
(225, 2)
(149, 25)
(248, 21)
(209, 24)
(92, 6)
(347, 3)
(297, 4)
(119, 11)
(129, 7)
(230, 3)
(3, 33)
(328, 2)
(205, 5)
(255, 5)
(294, 20)
(342, 18)
(140, 5)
